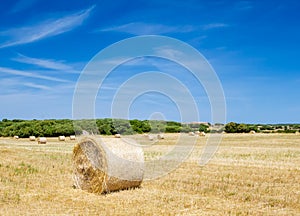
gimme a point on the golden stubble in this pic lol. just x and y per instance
(251, 174)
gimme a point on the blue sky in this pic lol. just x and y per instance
(253, 47)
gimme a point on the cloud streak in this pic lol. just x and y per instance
(45, 29)
(30, 74)
(37, 86)
(214, 26)
(45, 63)
(139, 28)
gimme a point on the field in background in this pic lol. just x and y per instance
(251, 174)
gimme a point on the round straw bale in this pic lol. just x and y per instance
(150, 137)
(191, 134)
(160, 136)
(61, 138)
(42, 140)
(16, 137)
(202, 133)
(197, 132)
(72, 137)
(32, 138)
(105, 165)
(117, 135)
(252, 132)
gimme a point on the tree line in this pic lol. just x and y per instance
(233, 127)
(109, 126)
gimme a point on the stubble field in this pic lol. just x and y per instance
(251, 174)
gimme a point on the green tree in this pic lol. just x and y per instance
(203, 128)
(231, 127)
(243, 128)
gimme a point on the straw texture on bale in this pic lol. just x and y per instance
(61, 138)
(105, 165)
(32, 138)
(42, 140)
(72, 137)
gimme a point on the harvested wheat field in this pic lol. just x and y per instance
(251, 174)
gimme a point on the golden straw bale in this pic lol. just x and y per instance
(117, 135)
(150, 137)
(108, 164)
(61, 138)
(160, 136)
(42, 140)
(191, 134)
(32, 138)
(202, 133)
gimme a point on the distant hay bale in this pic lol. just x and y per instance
(297, 133)
(191, 134)
(102, 166)
(202, 133)
(16, 137)
(150, 137)
(252, 132)
(72, 137)
(197, 132)
(32, 138)
(160, 136)
(117, 135)
(61, 138)
(42, 140)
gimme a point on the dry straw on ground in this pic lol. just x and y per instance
(249, 175)
(105, 165)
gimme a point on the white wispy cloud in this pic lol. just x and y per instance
(214, 26)
(37, 86)
(46, 63)
(29, 74)
(45, 29)
(139, 28)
